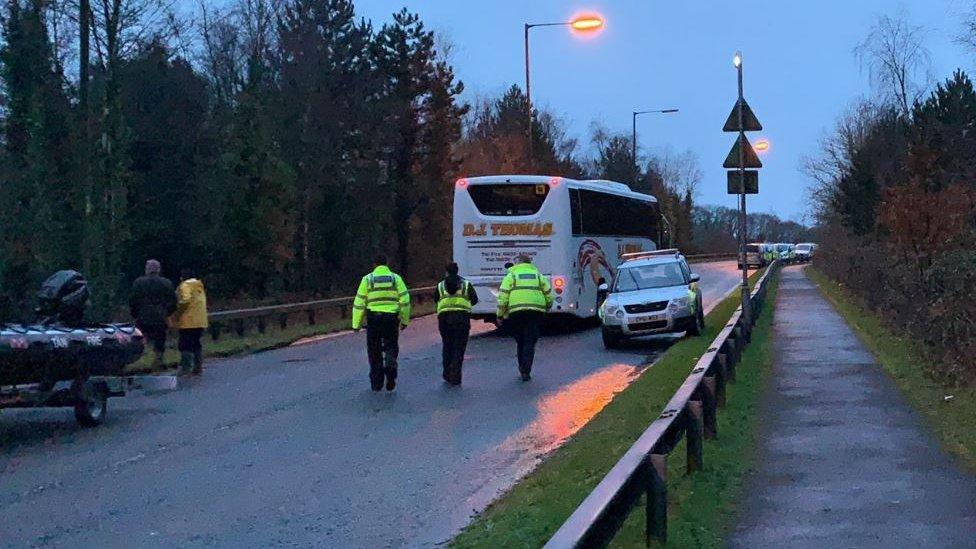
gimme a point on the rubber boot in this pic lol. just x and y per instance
(391, 375)
(186, 363)
(197, 362)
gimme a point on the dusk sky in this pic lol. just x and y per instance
(800, 71)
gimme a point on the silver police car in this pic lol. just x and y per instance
(652, 293)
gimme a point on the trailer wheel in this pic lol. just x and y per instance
(91, 403)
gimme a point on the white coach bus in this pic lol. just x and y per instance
(574, 231)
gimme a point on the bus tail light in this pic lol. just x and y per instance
(559, 284)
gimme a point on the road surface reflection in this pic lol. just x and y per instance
(562, 414)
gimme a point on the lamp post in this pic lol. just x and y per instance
(746, 312)
(586, 23)
(633, 139)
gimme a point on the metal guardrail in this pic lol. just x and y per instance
(338, 308)
(701, 258)
(690, 413)
(238, 321)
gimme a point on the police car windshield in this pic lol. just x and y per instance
(644, 277)
(803, 247)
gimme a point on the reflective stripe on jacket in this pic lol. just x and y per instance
(381, 291)
(524, 289)
(456, 302)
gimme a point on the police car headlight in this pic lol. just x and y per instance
(678, 304)
(609, 309)
(620, 313)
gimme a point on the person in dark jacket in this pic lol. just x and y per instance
(151, 301)
(455, 297)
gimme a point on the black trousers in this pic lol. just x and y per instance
(155, 334)
(382, 346)
(190, 340)
(455, 328)
(524, 326)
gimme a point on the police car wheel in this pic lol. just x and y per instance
(610, 340)
(699, 326)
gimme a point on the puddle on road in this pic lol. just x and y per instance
(560, 416)
(563, 413)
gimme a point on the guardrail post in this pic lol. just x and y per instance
(214, 331)
(311, 317)
(283, 321)
(657, 498)
(262, 325)
(710, 404)
(731, 354)
(343, 312)
(727, 373)
(693, 432)
(239, 327)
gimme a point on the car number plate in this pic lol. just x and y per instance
(649, 318)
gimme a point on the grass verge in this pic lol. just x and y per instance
(952, 420)
(230, 344)
(534, 508)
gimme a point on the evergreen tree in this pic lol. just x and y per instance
(326, 115)
(38, 220)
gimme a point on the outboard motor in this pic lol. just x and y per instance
(63, 299)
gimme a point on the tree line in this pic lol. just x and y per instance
(896, 199)
(273, 145)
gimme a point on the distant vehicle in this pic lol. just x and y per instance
(755, 255)
(784, 251)
(804, 251)
(574, 231)
(652, 293)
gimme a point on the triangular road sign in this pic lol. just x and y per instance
(751, 158)
(749, 119)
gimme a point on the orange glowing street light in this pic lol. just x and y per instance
(762, 145)
(586, 23)
(581, 23)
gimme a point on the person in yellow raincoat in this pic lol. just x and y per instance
(190, 319)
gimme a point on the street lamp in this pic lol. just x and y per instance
(747, 313)
(583, 23)
(633, 140)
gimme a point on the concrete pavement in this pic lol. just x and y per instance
(844, 461)
(291, 448)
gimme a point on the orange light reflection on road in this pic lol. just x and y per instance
(562, 414)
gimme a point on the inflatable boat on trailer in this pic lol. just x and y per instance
(59, 360)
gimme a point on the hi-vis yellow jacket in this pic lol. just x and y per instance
(381, 291)
(524, 289)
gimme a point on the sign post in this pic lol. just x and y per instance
(741, 157)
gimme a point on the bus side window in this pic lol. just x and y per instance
(576, 211)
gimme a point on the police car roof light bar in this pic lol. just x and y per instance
(653, 253)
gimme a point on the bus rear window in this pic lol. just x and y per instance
(508, 200)
(752, 248)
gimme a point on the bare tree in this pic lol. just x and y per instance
(897, 60)
(680, 172)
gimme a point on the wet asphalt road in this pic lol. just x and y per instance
(291, 448)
